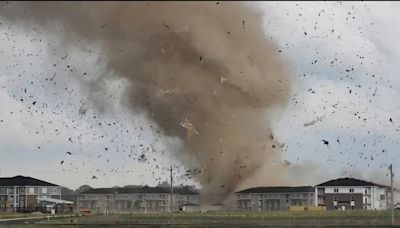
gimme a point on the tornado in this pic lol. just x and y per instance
(203, 72)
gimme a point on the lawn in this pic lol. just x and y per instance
(228, 219)
(17, 215)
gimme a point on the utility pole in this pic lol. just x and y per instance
(392, 195)
(171, 194)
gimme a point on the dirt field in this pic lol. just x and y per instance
(225, 219)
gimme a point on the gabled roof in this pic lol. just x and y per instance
(137, 190)
(278, 189)
(347, 181)
(23, 181)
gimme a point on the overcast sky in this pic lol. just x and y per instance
(343, 114)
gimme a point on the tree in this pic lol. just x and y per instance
(67, 194)
(83, 188)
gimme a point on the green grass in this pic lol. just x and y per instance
(16, 215)
(270, 214)
(232, 219)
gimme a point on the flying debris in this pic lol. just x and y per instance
(82, 110)
(142, 158)
(191, 130)
(286, 163)
(314, 121)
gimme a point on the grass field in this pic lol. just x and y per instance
(228, 219)
(16, 215)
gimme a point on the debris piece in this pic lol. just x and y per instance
(314, 121)
(166, 26)
(82, 110)
(166, 91)
(191, 130)
(222, 80)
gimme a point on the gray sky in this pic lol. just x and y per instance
(343, 56)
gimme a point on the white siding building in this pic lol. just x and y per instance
(354, 194)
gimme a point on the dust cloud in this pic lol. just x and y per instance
(205, 72)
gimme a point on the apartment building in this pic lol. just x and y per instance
(22, 193)
(136, 199)
(274, 198)
(354, 194)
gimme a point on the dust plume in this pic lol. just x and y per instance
(205, 72)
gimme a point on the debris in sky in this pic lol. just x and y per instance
(191, 130)
(142, 158)
(166, 26)
(82, 110)
(325, 142)
(287, 163)
(314, 121)
(222, 80)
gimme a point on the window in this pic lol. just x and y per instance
(365, 200)
(44, 190)
(54, 191)
(31, 190)
(382, 197)
(336, 190)
(351, 190)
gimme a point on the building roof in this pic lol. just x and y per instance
(23, 181)
(145, 189)
(347, 181)
(56, 201)
(278, 189)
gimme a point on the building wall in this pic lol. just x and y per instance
(123, 203)
(273, 201)
(365, 198)
(340, 201)
(15, 198)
